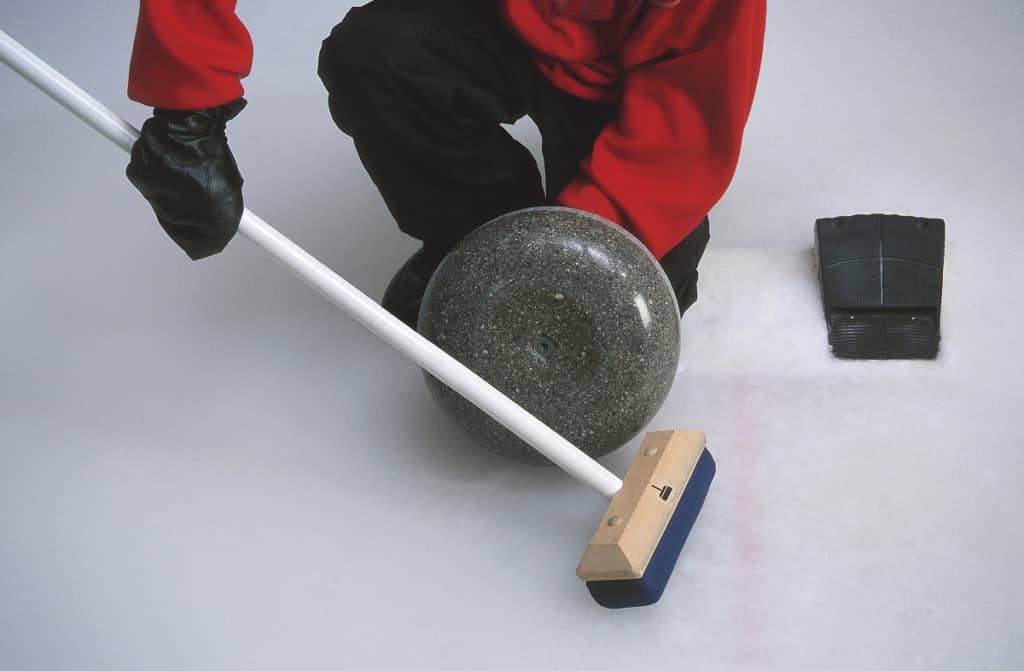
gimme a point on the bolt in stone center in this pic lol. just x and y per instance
(544, 346)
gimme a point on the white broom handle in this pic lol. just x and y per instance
(391, 329)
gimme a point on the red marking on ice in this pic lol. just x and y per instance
(749, 545)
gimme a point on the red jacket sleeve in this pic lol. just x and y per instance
(188, 54)
(689, 74)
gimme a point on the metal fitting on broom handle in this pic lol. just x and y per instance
(392, 330)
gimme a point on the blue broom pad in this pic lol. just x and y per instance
(648, 589)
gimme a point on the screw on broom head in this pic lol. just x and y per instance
(632, 554)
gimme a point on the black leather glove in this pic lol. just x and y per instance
(183, 166)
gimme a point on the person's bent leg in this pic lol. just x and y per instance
(680, 264)
(423, 88)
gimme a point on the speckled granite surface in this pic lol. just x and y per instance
(566, 313)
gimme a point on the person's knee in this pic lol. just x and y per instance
(352, 60)
(346, 50)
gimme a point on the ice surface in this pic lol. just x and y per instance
(206, 466)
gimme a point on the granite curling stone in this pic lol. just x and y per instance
(567, 314)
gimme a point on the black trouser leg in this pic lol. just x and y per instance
(680, 264)
(423, 88)
(568, 127)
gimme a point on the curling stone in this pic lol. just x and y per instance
(567, 314)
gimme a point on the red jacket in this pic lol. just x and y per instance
(684, 72)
